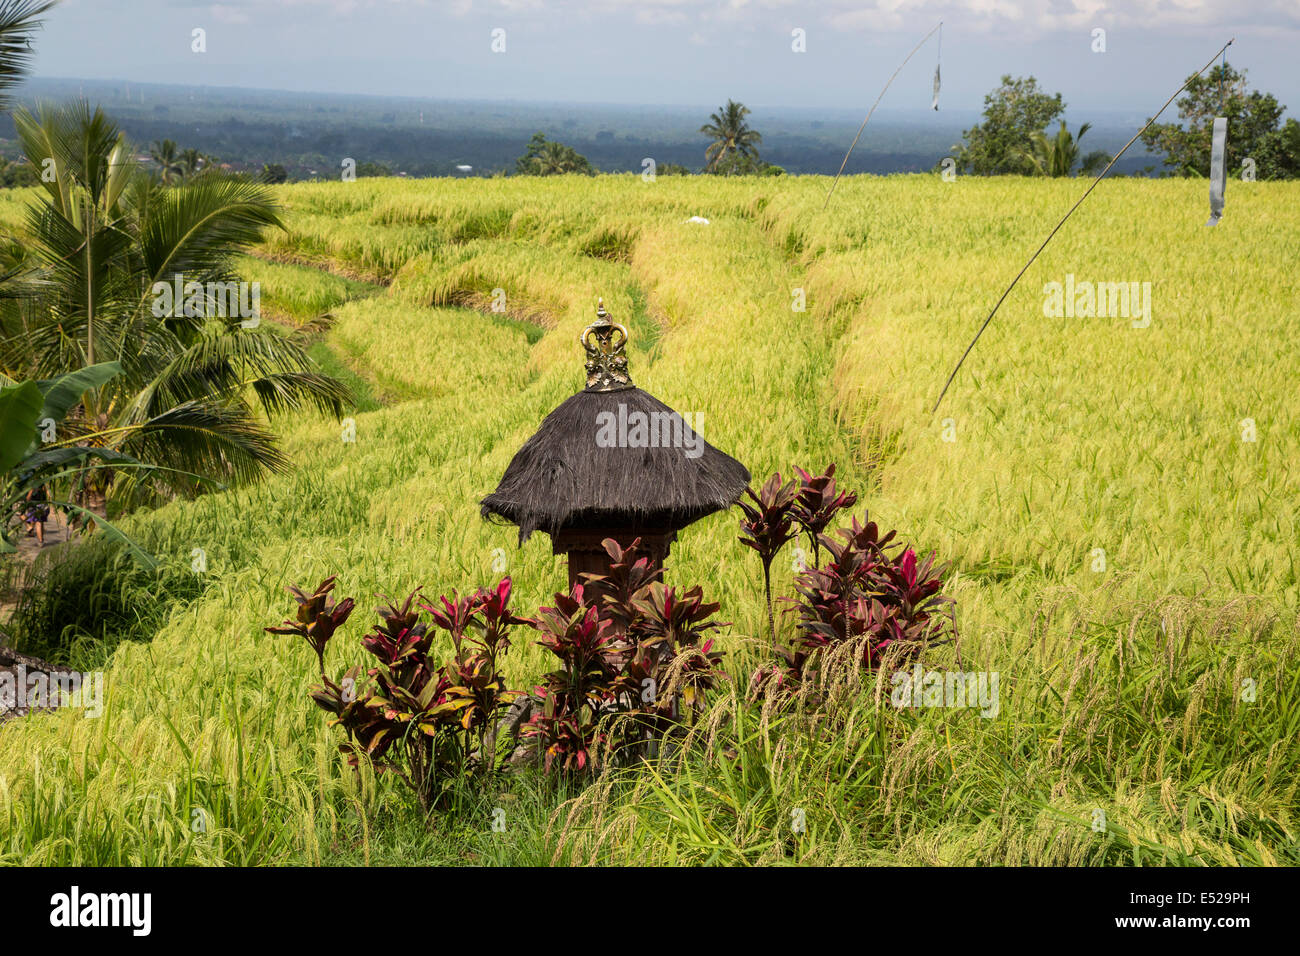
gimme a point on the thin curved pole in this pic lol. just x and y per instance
(873, 109)
(1077, 204)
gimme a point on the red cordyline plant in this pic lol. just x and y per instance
(573, 697)
(767, 525)
(634, 663)
(871, 591)
(817, 504)
(665, 659)
(671, 649)
(317, 619)
(428, 723)
(478, 626)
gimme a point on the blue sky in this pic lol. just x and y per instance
(688, 52)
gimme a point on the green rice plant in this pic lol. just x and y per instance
(297, 294)
(76, 603)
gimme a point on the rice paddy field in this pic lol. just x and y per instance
(1119, 505)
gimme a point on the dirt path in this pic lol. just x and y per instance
(19, 666)
(56, 535)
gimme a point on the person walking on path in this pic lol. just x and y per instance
(37, 513)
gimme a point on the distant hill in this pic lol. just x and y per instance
(312, 133)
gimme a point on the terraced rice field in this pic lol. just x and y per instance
(1119, 505)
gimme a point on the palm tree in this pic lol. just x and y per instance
(191, 162)
(556, 159)
(731, 135)
(1057, 156)
(18, 20)
(169, 161)
(549, 158)
(106, 236)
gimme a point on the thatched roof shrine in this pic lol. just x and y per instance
(613, 461)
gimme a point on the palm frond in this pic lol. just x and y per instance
(206, 438)
(278, 369)
(19, 19)
(290, 391)
(87, 148)
(197, 229)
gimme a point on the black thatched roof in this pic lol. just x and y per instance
(567, 478)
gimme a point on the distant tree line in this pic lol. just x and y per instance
(732, 151)
(1021, 132)
(1012, 140)
(1255, 129)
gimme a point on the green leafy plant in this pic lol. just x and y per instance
(148, 274)
(28, 461)
(1256, 128)
(1057, 156)
(74, 606)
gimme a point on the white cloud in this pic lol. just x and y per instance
(1041, 16)
(1035, 15)
(1025, 16)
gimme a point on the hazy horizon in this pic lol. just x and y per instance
(426, 136)
(679, 52)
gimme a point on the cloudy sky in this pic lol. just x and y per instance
(688, 52)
